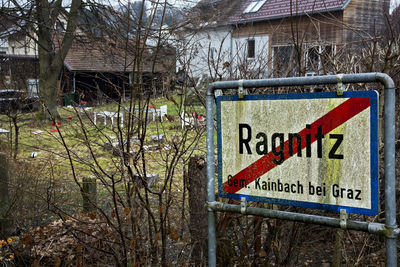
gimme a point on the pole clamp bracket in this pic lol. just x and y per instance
(340, 85)
(217, 93)
(241, 92)
(343, 219)
(391, 231)
(243, 205)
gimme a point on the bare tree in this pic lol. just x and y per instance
(138, 165)
(42, 22)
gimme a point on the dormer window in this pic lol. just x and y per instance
(254, 6)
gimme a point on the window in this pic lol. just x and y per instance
(284, 64)
(251, 48)
(254, 6)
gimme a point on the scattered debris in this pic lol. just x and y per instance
(170, 118)
(158, 138)
(150, 179)
(114, 145)
(4, 131)
(158, 147)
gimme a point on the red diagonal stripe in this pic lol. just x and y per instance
(329, 121)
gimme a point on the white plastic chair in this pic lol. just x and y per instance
(109, 114)
(163, 111)
(187, 120)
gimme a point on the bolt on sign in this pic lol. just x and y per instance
(315, 150)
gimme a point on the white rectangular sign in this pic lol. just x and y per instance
(316, 150)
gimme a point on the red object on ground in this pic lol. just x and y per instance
(59, 123)
(53, 130)
(70, 117)
(53, 124)
(151, 106)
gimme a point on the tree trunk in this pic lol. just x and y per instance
(53, 52)
(89, 194)
(337, 253)
(49, 94)
(16, 137)
(4, 197)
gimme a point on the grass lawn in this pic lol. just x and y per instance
(89, 145)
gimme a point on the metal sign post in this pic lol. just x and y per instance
(250, 180)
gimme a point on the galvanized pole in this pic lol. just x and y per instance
(212, 243)
(390, 168)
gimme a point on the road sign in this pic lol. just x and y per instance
(316, 150)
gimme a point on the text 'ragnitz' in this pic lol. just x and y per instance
(295, 143)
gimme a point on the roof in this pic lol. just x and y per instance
(212, 13)
(95, 57)
(106, 55)
(16, 56)
(273, 9)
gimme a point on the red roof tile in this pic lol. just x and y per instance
(273, 9)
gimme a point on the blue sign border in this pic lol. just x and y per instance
(373, 95)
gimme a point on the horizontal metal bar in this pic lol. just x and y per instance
(373, 228)
(296, 81)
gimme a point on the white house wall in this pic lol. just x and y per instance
(245, 67)
(23, 45)
(206, 53)
(214, 53)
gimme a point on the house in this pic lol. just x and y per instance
(204, 41)
(94, 71)
(19, 67)
(99, 71)
(19, 72)
(97, 68)
(279, 38)
(308, 32)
